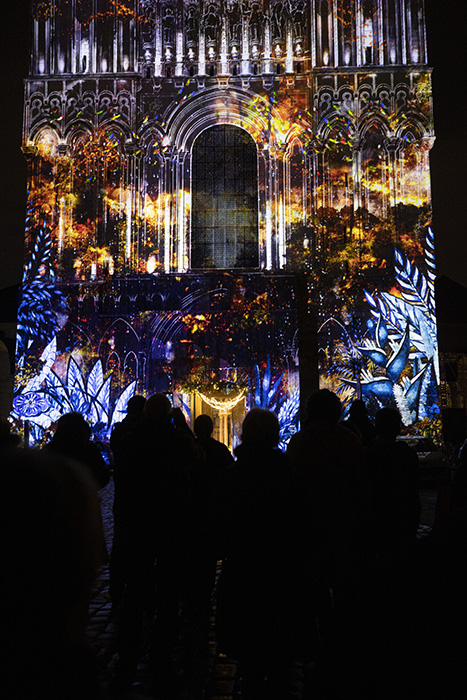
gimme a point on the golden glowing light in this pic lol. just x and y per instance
(223, 405)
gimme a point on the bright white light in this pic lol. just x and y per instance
(151, 264)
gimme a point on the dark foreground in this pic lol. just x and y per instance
(199, 673)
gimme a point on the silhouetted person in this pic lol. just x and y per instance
(218, 455)
(50, 532)
(156, 510)
(204, 479)
(330, 458)
(134, 411)
(179, 420)
(72, 438)
(118, 563)
(359, 421)
(264, 588)
(393, 477)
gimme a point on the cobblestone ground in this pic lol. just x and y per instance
(211, 676)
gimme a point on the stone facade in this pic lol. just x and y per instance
(184, 146)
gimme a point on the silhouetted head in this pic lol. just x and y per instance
(157, 408)
(135, 405)
(72, 428)
(325, 406)
(260, 428)
(179, 418)
(203, 426)
(388, 423)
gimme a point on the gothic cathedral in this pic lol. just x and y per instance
(228, 201)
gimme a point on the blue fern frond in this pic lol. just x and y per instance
(431, 266)
(40, 299)
(120, 407)
(412, 283)
(95, 379)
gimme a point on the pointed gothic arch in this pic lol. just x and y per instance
(224, 215)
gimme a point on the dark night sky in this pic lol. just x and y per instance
(447, 44)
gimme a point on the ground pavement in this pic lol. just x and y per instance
(212, 677)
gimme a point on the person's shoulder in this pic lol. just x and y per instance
(219, 447)
(119, 432)
(299, 438)
(285, 465)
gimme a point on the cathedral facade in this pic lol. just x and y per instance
(228, 202)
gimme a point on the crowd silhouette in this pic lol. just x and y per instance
(310, 555)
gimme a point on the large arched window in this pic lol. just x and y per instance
(224, 218)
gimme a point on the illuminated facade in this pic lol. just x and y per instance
(194, 164)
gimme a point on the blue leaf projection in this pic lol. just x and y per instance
(375, 355)
(267, 395)
(399, 359)
(46, 395)
(41, 303)
(399, 363)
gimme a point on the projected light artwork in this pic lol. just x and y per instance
(192, 166)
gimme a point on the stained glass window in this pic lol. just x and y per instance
(224, 226)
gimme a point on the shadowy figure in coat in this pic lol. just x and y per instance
(179, 420)
(50, 532)
(134, 412)
(118, 562)
(359, 422)
(331, 459)
(217, 455)
(204, 479)
(72, 438)
(264, 591)
(393, 477)
(155, 509)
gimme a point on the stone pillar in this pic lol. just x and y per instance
(130, 248)
(307, 343)
(180, 212)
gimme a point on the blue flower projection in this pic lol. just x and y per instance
(47, 396)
